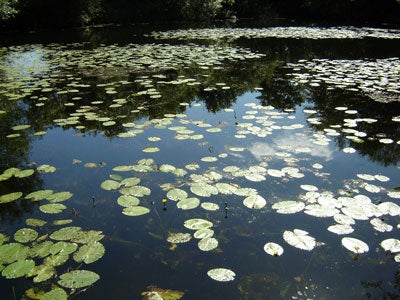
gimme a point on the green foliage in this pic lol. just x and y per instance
(7, 9)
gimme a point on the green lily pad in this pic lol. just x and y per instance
(88, 237)
(42, 273)
(154, 293)
(59, 197)
(63, 247)
(56, 260)
(46, 169)
(39, 195)
(3, 238)
(109, 185)
(137, 191)
(12, 252)
(41, 250)
(131, 181)
(78, 279)
(210, 206)
(20, 127)
(127, 200)
(24, 173)
(135, 211)
(62, 222)
(89, 253)
(18, 269)
(35, 222)
(56, 293)
(66, 233)
(10, 197)
(25, 235)
(52, 208)
(188, 203)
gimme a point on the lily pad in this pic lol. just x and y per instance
(155, 293)
(179, 237)
(46, 169)
(56, 293)
(273, 249)
(42, 273)
(196, 224)
(177, 194)
(188, 203)
(18, 269)
(221, 274)
(89, 253)
(35, 222)
(203, 189)
(392, 245)
(78, 279)
(127, 200)
(109, 185)
(288, 207)
(203, 233)
(25, 235)
(39, 195)
(13, 252)
(254, 202)
(210, 206)
(59, 197)
(24, 173)
(52, 208)
(66, 233)
(299, 239)
(208, 244)
(134, 211)
(354, 245)
(10, 197)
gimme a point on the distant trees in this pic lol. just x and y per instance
(68, 13)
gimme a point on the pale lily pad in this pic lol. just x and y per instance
(151, 150)
(320, 211)
(380, 225)
(18, 269)
(208, 244)
(341, 229)
(254, 202)
(52, 208)
(89, 253)
(131, 181)
(138, 191)
(392, 245)
(203, 233)
(188, 203)
(355, 245)
(299, 239)
(134, 211)
(221, 274)
(210, 206)
(203, 189)
(109, 185)
(209, 159)
(166, 168)
(226, 188)
(389, 208)
(155, 293)
(10, 197)
(59, 197)
(179, 237)
(288, 207)
(196, 224)
(309, 188)
(25, 235)
(78, 279)
(177, 194)
(273, 249)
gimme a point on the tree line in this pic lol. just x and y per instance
(30, 14)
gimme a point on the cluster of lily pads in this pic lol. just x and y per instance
(38, 256)
(279, 32)
(379, 79)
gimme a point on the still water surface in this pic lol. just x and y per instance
(213, 111)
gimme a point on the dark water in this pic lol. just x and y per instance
(137, 254)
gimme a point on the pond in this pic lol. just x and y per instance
(204, 163)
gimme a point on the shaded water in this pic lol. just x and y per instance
(259, 115)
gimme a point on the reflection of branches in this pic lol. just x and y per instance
(378, 290)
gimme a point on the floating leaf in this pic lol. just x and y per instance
(52, 208)
(355, 245)
(309, 188)
(221, 274)
(12, 252)
(131, 181)
(203, 189)
(109, 185)
(188, 203)
(89, 253)
(177, 194)
(46, 169)
(56, 293)
(208, 244)
(63, 247)
(18, 269)
(127, 200)
(57, 259)
(380, 225)
(157, 293)
(10, 197)
(78, 279)
(24, 173)
(299, 239)
(88, 237)
(39, 195)
(179, 237)
(196, 224)
(320, 211)
(42, 273)
(42, 249)
(134, 211)
(138, 191)
(255, 202)
(35, 222)
(392, 245)
(288, 207)
(203, 233)
(151, 149)
(341, 229)
(273, 249)
(210, 206)
(59, 197)
(66, 233)
(25, 235)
